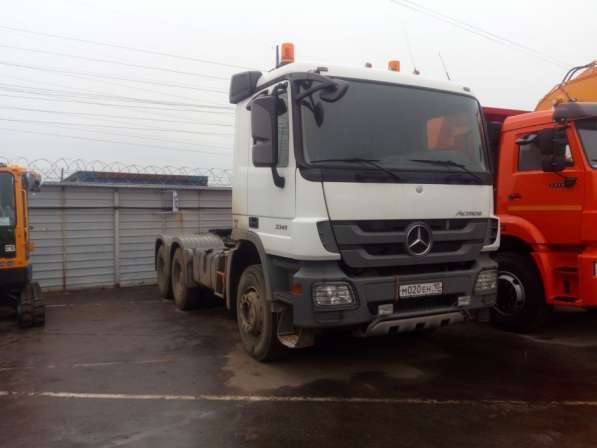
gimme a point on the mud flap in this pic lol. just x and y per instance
(289, 335)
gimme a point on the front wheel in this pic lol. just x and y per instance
(257, 324)
(520, 304)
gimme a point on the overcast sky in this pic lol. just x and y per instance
(190, 125)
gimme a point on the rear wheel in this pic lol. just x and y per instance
(257, 324)
(163, 273)
(520, 302)
(185, 298)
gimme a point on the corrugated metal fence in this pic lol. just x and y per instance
(102, 235)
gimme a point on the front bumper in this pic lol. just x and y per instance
(373, 291)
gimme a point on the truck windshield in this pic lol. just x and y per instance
(587, 129)
(400, 128)
(7, 200)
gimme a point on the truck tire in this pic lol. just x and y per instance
(185, 298)
(163, 273)
(520, 302)
(257, 324)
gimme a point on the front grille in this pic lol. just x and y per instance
(394, 249)
(400, 225)
(381, 243)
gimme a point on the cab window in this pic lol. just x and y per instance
(452, 132)
(531, 159)
(7, 200)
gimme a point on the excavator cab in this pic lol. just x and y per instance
(16, 285)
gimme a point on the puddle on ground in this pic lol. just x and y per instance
(249, 376)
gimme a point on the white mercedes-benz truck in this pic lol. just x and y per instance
(361, 199)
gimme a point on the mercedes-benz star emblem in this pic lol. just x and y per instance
(418, 239)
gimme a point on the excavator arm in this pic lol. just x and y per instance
(579, 84)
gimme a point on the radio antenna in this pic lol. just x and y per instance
(410, 50)
(444, 66)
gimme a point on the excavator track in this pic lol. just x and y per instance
(31, 310)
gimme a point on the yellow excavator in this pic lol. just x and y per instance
(579, 84)
(17, 287)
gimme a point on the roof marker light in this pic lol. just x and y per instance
(394, 66)
(287, 53)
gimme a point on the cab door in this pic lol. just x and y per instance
(273, 206)
(545, 199)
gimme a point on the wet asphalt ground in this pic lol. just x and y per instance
(124, 368)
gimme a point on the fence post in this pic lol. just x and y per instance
(64, 237)
(116, 238)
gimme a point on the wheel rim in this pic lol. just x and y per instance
(511, 296)
(251, 313)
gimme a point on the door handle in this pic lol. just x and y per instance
(514, 196)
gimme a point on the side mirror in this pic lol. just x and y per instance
(32, 182)
(552, 142)
(334, 92)
(243, 85)
(264, 130)
(528, 139)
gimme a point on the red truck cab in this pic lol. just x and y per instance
(546, 198)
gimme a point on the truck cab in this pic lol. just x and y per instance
(546, 196)
(361, 199)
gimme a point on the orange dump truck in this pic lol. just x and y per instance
(546, 198)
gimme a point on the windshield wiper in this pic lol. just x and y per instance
(450, 163)
(372, 162)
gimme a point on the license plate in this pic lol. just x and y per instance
(421, 289)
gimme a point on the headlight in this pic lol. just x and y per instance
(333, 294)
(486, 281)
(10, 248)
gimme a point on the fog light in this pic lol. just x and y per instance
(10, 248)
(385, 309)
(486, 281)
(333, 294)
(464, 301)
